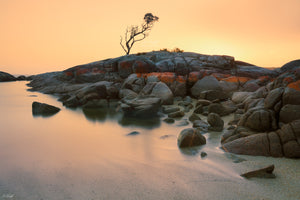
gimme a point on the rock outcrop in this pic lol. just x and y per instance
(43, 109)
(4, 77)
(265, 102)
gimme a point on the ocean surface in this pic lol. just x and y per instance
(82, 155)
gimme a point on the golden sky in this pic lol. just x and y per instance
(39, 36)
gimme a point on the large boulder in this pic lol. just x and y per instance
(289, 113)
(259, 119)
(43, 109)
(215, 121)
(239, 97)
(162, 91)
(6, 77)
(190, 137)
(141, 106)
(291, 96)
(134, 83)
(283, 142)
(217, 108)
(257, 144)
(205, 84)
(273, 97)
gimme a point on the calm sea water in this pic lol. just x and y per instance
(79, 155)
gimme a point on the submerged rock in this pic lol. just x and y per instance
(43, 109)
(133, 133)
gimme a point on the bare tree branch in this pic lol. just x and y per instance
(133, 33)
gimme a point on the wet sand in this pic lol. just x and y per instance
(72, 156)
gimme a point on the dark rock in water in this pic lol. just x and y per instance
(176, 114)
(190, 137)
(203, 102)
(166, 136)
(188, 99)
(43, 109)
(183, 123)
(169, 120)
(203, 154)
(194, 117)
(32, 95)
(216, 108)
(198, 109)
(6, 77)
(266, 172)
(133, 133)
(168, 110)
(215, 121)
(200, 124)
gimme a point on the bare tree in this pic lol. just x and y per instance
(134, 34)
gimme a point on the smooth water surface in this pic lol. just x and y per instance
(83, 155)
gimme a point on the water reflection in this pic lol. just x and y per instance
(44, 115)
(103, 114)
(147, 123)
(100, 114)
(191, 151)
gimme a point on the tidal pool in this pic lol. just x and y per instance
(82, 155)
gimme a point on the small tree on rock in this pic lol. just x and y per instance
(134, 34)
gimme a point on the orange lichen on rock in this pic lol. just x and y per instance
(167, 77)
(220, 76)
(69, 73)
(295, 85)
(126, 64)
(181, 79)
(141, 67)
(236, 79)
(264, 79)
(82, 71)
(194, 77)
(97, 71)
(288, 80)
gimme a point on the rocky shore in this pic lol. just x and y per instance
(265, 103)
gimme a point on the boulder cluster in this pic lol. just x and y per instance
(265, 103)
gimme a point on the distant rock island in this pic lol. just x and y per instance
(265, 103)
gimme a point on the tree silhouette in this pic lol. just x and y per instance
(134, 34)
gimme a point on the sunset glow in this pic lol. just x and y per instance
(47, 35)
